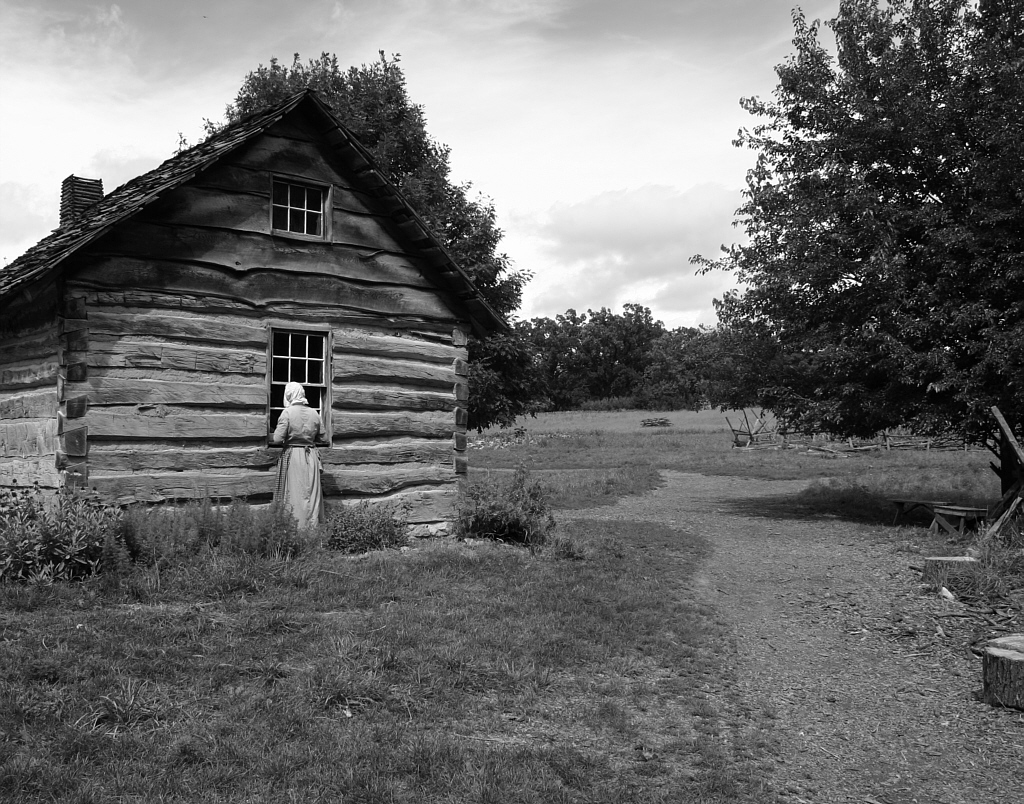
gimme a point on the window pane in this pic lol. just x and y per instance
(298, 344)
(316, 345)
(313, 397)
(316, 372)
(280, 347)
(277, 396)
(298, 209)
(274, 416)
(313, 223)
(297, 372)
(280, 370)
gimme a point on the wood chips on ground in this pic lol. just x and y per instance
(863, 678)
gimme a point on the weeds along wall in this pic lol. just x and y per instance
(145, 369)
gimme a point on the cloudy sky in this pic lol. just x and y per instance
(601, 129)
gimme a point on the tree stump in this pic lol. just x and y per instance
(1003, 671)
(948, 571)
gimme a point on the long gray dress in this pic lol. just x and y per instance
(298, 472)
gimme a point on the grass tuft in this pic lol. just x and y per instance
(999, 572)
(515, 511)
(364, 526)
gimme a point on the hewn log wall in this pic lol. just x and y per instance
(30, 376)
(169, 390)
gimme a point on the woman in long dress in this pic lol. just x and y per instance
(298, 471)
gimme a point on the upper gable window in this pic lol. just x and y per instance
(298, 208)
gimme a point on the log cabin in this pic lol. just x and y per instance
(145, 343)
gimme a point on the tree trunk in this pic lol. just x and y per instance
(1003, 671)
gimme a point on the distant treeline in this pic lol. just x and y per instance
(603, 359)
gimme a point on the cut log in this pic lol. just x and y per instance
(204, 329)
(30, 375)
(995, 532)
(117, 391)
(380, 397)
(157, 487)
(33, 345)
(130, 456)
(210, 263)
(28, 438)
(32, 404)
(359, 368)
(1003, 671)
(105, 353)
(948, 571)
(351, 341)
(427, 424)
(435, 505)
(23, 472)
(118, 423)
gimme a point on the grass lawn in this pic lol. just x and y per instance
(449, 672)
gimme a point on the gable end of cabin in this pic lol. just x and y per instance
(154, 364)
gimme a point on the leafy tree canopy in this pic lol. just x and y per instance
(602, 355)
(675, 375)
(884, 270)
(373, 102)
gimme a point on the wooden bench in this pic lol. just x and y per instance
(954, 519)
(904, 507)
(963, 516)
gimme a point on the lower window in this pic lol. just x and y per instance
(299, 356)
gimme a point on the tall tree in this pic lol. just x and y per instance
(373, 102)
(592, 355)
(674, 377)
(885, 221)
(614, 349)
(557, 342)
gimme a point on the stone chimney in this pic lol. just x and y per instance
(77, 195)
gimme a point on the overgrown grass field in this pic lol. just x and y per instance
(606, 454)
(448, 671)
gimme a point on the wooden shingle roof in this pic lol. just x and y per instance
(48, 254)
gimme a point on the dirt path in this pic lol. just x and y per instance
(863, 681)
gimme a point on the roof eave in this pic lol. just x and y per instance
(483, 318)
(412, 225)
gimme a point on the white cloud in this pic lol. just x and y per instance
(550, 107)
(632, 246)
(78, 82)
(53, 37)
(28, 213)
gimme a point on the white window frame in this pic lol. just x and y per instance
(274, 375)
(276, 207)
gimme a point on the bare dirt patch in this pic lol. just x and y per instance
(863, 680)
